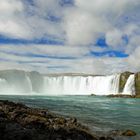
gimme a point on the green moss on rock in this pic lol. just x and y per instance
(137, 84)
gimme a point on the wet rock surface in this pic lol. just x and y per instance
(19, 122)
(122, 96)
(128, 133)
(123, 133)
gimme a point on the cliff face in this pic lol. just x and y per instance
(137, 84)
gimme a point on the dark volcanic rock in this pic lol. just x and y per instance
(129, 133)
(122, 96)
(18, 122)
(137, 84)
(122, 133)
(106, 138)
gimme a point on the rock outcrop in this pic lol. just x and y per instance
(20, 122)
(137, 84)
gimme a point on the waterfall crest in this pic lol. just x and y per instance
(75, 85)
(20, 82)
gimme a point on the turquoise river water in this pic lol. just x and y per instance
(101, 114)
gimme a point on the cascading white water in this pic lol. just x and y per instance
(3, 84)
(129, 88)
(5, 87)
(16, 87)
(29, 83)
(19, 82)
(75, 85)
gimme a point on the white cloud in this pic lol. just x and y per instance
(78, 25)
(9, 7)
(134, 58)
(114, 39)
(83, 63)
(83, 28)
(81, 24)
(48, 50)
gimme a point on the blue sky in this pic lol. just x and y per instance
(56, 36)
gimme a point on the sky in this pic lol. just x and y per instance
(70, 36)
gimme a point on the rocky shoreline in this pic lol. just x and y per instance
(19, 122)
(123, 96)
(120, 96)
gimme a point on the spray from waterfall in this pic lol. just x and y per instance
(26, 83)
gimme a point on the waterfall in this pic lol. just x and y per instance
(3, 85)
(20, 82)
(129, 88)
(82, 85)
(29, 83)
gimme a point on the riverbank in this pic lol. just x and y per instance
(123, 96)
(20, 122)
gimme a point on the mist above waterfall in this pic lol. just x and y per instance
(30, 83)
(20, 82)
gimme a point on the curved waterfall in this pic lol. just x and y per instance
(20, 82)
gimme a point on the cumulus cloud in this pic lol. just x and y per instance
(83, 28)
(134, 58)
(78, 24)
(99, 17)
